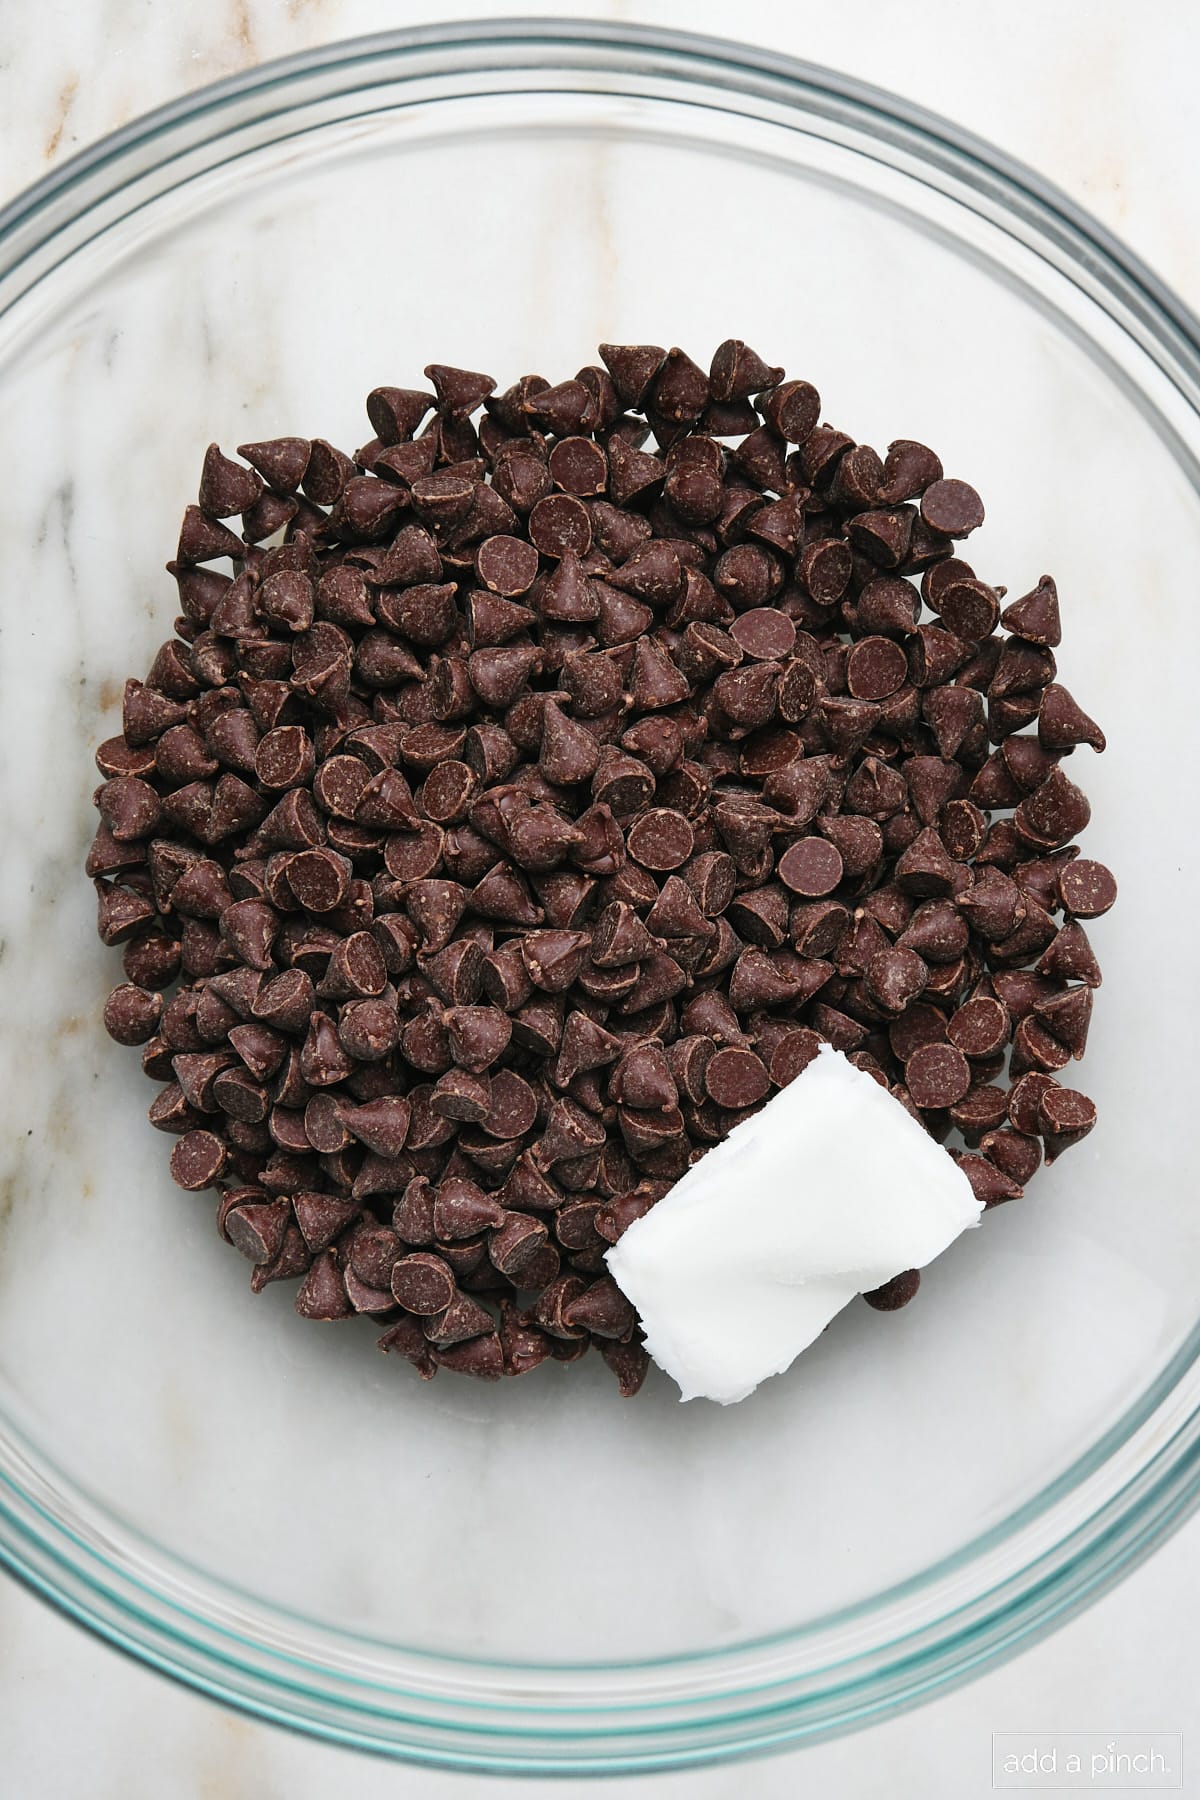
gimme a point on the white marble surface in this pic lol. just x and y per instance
(1102, 109)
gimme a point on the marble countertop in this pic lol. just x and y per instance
(1102, 106)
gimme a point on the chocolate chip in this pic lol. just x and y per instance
(1054, 813)
(322, 1294)
(369, 1030)
(677, 914)
(1062, 723)
(908, 469)
(811, 867)
(422, 1283)
(952, 508)
(480, 1356)
(318, 879)
(969, 609)
(661, 978)
(478, 1036)
(1064, 1117)
(1035, 616)
(1067, 1016)
(924, 867)
(460, 392)
(512, 1108)
(764, 633)
(736, 1078)
(937, 931)
(284, 758)
(989, 1183)
(1035, 1047)
(980, 1027)
(937, 1075)
(131, 1015)
(280, 461)
(152, 961)
(876, 668)
(981, 1109)
(1087, 888)
(661, 840)
(655, 681)
(817, 927)
(1025, 1099)
(1070, 957)
(883, 536)
(559, 524)
(578, 466)
(643, 1079)
(961, 827)
(1016, 1156)
(895, 1293)
(895, 977)
(198, 1160)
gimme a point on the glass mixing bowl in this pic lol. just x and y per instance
(539, 1576)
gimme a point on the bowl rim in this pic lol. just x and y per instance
(47, 1537)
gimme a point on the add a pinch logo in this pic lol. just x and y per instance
(1131, 1762)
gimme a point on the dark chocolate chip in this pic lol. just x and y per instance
(895, 1293)
(952, 508)
(811, 867)
(937, 1075)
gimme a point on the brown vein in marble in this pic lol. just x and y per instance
(243, 30)
(66, 99)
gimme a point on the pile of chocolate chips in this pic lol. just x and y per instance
(529, 811)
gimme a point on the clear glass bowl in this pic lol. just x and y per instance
(538, 1576)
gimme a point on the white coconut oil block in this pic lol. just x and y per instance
(831, 1190)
